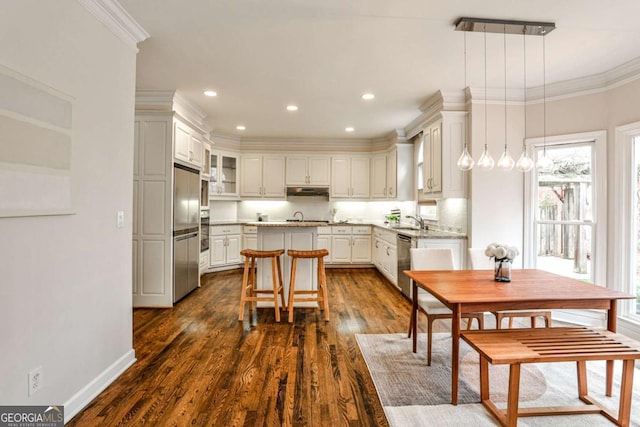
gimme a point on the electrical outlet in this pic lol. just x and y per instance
(35, 380)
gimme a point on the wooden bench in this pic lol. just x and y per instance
(517, 346)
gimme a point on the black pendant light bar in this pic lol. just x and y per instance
(505, 26)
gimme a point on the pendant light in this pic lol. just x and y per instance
(524, 163)
(544, 162)
(465, 162)
(485, 162)
(505, 162)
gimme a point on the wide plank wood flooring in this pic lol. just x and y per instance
(199, 366)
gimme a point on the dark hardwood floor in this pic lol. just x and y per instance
(199, 366)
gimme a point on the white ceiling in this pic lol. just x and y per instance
(260, 55)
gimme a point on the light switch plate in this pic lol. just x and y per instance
(120, 219)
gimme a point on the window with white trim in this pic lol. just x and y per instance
(626, 224)
(565, 207)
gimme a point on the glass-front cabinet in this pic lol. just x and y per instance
(224, 174)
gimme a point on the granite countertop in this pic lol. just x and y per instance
(401, 229)
(289, 223)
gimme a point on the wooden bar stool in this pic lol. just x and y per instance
(320, 293)
(250, 293)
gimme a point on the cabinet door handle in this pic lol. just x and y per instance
(385, 191)
(377, 245)
(390, 191)
(388, 254)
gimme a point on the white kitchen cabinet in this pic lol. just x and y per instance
(223, 183)
(262, 176)
(250, 237)
(386, 254)
(224, 245)
(443, 142)
(204, 261)
(324, 242)
(392, 174)
(206, 158)
(351, 245)
(379, 176)
(308, 170)
(187, 144)
(432, 150)
(350, 177)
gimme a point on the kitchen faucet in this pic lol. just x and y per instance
(301, 215)
(418, 219)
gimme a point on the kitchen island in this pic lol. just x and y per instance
(298, 235)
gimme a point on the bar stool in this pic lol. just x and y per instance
(320, 293)
(250, 293)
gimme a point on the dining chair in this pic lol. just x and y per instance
(435, 259)
(479, 261)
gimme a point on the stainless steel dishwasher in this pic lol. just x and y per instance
(405, 243)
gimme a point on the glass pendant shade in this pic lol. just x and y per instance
(506, 162)
(485, 161)
(524, 163)
(465, 162)
(544, 162)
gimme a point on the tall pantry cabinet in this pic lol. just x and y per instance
(167, 129)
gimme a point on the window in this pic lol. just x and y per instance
(565, 208)
(635, 209)
(564, 217)
(626, 224)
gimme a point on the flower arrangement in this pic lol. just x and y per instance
(503, 256)
(501, 252)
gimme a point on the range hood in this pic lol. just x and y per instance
(308, 191)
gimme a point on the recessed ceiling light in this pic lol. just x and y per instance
(241, 127)
(210, 93)
(292, 108)
(368, 96)
(349, 129)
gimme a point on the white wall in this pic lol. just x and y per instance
(65, 295)
(495, 208)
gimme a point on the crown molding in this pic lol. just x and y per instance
(118, 20)
(172, 101)
(596, 83)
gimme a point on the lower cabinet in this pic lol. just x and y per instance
(224, 245)
(324, 242)
(385, 254)
(250, 237)
(348, 244)
(204, 261)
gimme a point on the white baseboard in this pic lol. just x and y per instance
(82, 398)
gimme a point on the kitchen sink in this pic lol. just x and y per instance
(406, 228)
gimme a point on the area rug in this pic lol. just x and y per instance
(414, 394)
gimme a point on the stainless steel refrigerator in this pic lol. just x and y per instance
(186, 238)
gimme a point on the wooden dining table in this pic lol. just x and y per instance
(468, 291)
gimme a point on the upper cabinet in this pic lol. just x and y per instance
(262, 176)
(443, 143)
(187, 144)
(223, 183)
(308, 170)
(392, 174)
(206, 158)
(350, 177)
(432, 150)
